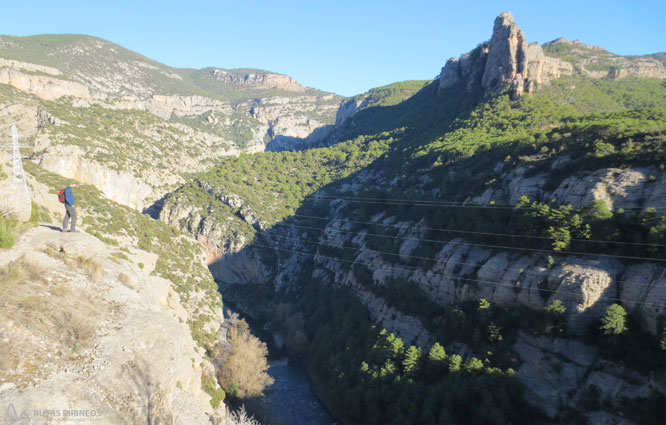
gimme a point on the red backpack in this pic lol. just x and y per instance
(61, 196)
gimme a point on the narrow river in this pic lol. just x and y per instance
(290, 400)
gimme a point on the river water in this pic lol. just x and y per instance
(290, 400)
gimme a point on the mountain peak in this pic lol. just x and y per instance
(506, 60)
(504, 19)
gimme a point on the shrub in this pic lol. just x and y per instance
(7, 233)
(209, 385)
(245, 364)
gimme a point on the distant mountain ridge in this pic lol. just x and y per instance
(132, 126)
(111, 71)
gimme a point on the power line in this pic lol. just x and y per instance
(624, 282)
(550, 251)
(482, 233)
(488, 282)
(450, 204)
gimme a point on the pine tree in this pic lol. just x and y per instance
(411, 361)
(396, 346)
(614, 321)
(455, 361)
(437, 354)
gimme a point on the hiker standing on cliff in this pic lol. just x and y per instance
(70, 208)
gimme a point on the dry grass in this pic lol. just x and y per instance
(6, 211)
(125, 280)
(41, 318)
(93, 266)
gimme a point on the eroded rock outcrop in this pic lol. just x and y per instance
(350, 107)
(626, 188)
(562, 373)
(30, 78)
(507, 60)
(258, 80)
(15, 200)
(115, 342)
(119, 186)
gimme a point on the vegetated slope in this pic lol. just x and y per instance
(501, 227)
(133, 127)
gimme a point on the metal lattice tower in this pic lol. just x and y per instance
(17, 164)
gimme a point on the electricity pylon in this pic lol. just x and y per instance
(18, 175)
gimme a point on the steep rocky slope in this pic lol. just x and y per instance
(84, 330)
(115, 320)
(517, 177)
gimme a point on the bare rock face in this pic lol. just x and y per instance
(259, 81)
(645, 285)
(118, 186)
(547, 387)
(507, 56)
(30, 78)
(14, 200)
(586, 288)
(507, 60)
(515, 62)
(616, 187)
(597, 62)
(559, 373)
(349, 108)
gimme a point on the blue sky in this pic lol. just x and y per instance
(342, 46)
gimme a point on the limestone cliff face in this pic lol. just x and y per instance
(513, 61)
(615, 187)
(507, 60)
(350, 107)
(30, 78)
(559, 372)
(258, 80)
(461, 272)
(118, 186)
